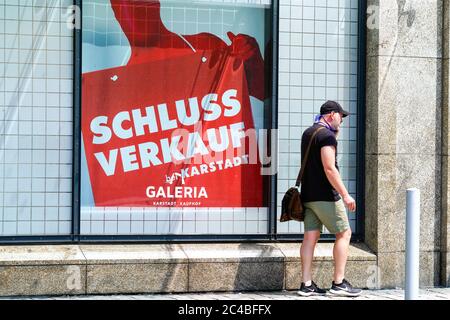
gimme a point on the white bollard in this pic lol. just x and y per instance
(412, 244)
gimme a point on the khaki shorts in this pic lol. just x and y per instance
(330, 214)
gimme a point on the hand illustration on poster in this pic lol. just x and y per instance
(171, 127)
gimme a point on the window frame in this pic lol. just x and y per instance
(271, 235)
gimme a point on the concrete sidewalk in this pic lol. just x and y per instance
(397, 294)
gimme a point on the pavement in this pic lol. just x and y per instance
(394, 294)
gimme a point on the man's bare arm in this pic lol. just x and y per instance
(328, 156)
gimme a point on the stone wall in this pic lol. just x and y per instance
(115, 269)
(445, 227)
(404, 125)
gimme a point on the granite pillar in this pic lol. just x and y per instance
(403, 132)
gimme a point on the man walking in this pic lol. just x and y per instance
(325, 198)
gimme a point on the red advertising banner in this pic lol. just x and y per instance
(174, 127)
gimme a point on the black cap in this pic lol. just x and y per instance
(331, 106)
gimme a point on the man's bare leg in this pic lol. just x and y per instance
(307, 253)
(340, 254)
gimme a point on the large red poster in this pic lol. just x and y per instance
(174, 126)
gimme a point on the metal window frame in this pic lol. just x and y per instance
(358, 235)
(361, 122)
(76, 180)
(271, 236)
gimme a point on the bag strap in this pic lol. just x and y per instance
(302, 169)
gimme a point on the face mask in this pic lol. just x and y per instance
(326, 125)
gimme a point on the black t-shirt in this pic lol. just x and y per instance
(315, 184)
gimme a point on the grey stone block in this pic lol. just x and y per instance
(393, 96)
(324, 251)
(392, 267)
(228, 267)
(236, 276)
(411, 30)
(430, 269)
(381, 117)
(41, 279)
(381, 190)
(445, 107)
(372, 110)
(361, 260)
(135, 268)
(42, 270)
(445, 218)
(371, 202)
(233, 252)
(389, 177)
(137, 278)
(445, 269)
(446, 30)
(112, 254)
(360, 273)
(41, 255)
(423, 172)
